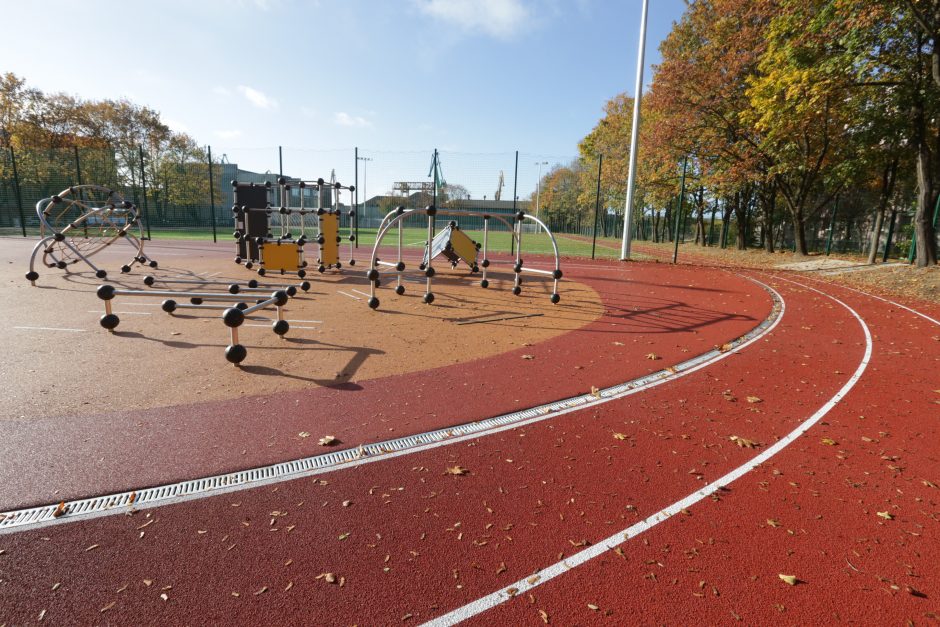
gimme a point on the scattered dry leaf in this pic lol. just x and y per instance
(620, 436)
(59, 510)
(595, 392)
(828, 441)
(773, 522)
(528, 356)
(886, 515)
(744, 442)
(652, 356)
(789, 579)
(329, 440)
(304, 434)
(456, 470)
(754, 399)
(544, 616)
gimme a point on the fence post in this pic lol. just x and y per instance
(675, 251)
(211, 195)
(19, 195)
(78, 165)
(597, 202)
(832, 225)
(356, 199)
(143, 187)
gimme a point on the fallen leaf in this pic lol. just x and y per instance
(59, 510)
(304, 434)
(261, 591)
(528, 356)
(456, 470)
(107, 607)
(544, 616)
(724, 348)
(327, 577)
(596, 393)
(652, 356)
(828, 441)
(620, 436)
(343, 536)
(886, 515)
(789, 579)
(166, 598)
(329, 440)
(621, 344)
(591, 606)
(754, 399)
(773, 522)
(744, 442)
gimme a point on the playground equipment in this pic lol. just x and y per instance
(233, 315)
(80, 222)
(232, 288)
(255, 217)
(456, 246)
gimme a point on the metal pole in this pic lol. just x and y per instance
(597, 202)
(356, 200)
(515, 182)
(143, 186)
(832, 224)
(434, 168)
(280, 174)
(19, 194)
(211, 195)
(675, 252)
(634, 137)
(78, 165)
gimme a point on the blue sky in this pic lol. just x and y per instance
(477, 79)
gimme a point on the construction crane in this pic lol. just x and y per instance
(499, 188)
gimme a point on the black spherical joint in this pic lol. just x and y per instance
(32, 275)
(291, 290)
(241, 306)
(109, 321)
(280, 298)
(484, 283)
(453, 224)
(352, 262)
(152, 264)
(321, 268)
(352, 238)
(320, 212)
(429, 272)
(372, 275)
(101, 274)
(59, 237)
(399, 210)
(516, 290)
(431, 210)
(352, 188)
(253, 283)
(400, 290)
(301, 273)
(149, 280)
(320, 181)
(233, 317)
(321, 240)
(556, 274)
(261, 272)
(428, 298)
(61, 265)
(474, 269)
(105, 292)
(422, 266)
(555, 298)
(238, 260)
(485, 263)
(125, 269)
(378, 283)
(400, 266)
(338, 265)
(517, 268)
(195, 300)
(249, 265)
(169, 305)
(373, 303)
(280, 327)
(520, 215)
(305, 286)
(236, 353)
(234, 288)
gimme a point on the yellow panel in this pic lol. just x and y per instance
(329, 229)
(281, 257)
(465, 247)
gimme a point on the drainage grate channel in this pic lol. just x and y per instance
(198, 488)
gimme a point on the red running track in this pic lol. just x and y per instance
(410, 542)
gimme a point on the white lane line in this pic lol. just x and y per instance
(559, 568)
(159, 496)
(128, 313)
(350, 295)
(890, 302)
(362, 293)
(50, 329)
(141, 304)
(307, 321)
(268, 326)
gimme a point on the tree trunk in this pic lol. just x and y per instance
(887, 189)
(726, 220)
(767, 228)
(700, 224)
(923, 219)
(656, 227)
(740, 217)
(799, 233)
(667, 220)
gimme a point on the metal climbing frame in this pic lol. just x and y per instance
(81, 221)
(396, 217)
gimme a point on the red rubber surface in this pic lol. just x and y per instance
(421, 542)
(650, 309)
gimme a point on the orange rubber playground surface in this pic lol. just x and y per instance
(667, 445)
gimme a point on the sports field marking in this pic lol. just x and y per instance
(559, 568)
(308, 321)
(205, 487)
(362, 293)
(248, 324)
(141, 304)
(890, 302)
(50, 329)
(123, 313)
(349, 295)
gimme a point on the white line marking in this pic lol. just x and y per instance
(308, 321)
(141, 304)
(380, 451)
(350, 295)
(128, 313)
(50, 329)
(362, 293)
(547, 574)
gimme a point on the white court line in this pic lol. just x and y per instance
(559, 568)
(307, 321)
(50, 329)
(268, 326)
(141, 304)
(363, 293)
(350, 295)
(128, 313)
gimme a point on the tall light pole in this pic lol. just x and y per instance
(538, 189)
(365, 174)
(634, 136)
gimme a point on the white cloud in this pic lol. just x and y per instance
(498, 18)
(221, 91)
(342, 118)
(257, 98)
(229, 134)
